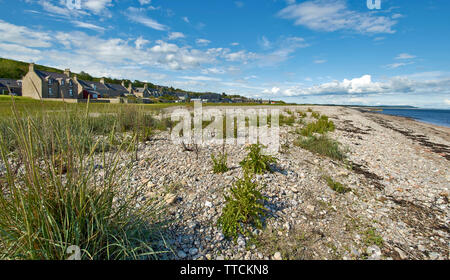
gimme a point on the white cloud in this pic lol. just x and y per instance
(96, 6)
(202, 42)
(405, 56)
(22, 35)
(235, 44)
(273, 90)
(239, 4)
(138, 15)
(333, 15)
(145, 2)
(88, 25)
(200, 78)
(185, 19)
(140, 42)
(320, 61)
(282, 51)
(424, 83)
(447, 101)
(176, 35)
(397, 65)
(265, 43)
(212, 70)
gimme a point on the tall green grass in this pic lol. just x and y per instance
(61, 187)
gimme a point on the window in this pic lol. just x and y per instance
(70, 82)
(49, 82)
(50, 91)
(70, 92)
(62, 82)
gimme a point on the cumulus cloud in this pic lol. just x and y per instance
(273, 90)
(333, 15)
(364, 85)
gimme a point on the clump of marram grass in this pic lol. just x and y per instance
(336, 186)
(219, 163)
(287, 120)
(56, 194)
(321, 126)
(244, 208)
(255, 162)
(315, 115)
(321, 145)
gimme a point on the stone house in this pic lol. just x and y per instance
(42, 84)
(99, 89)
(10, 86)
(142, 92)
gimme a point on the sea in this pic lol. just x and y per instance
(433, 116)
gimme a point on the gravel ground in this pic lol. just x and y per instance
(397, 207)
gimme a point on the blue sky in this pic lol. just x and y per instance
(318, 51)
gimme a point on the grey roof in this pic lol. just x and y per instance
(10, 83)
(117, 87)
(97, 87)
(53, 75)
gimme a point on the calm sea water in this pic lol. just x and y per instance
(433, 116)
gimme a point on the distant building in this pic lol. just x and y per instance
(142, 92)
(10, 86)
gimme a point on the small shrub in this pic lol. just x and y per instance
(255, 162)
(336, 186)
(371, 237)
(321, 145)
(243, 208)
(219, 163)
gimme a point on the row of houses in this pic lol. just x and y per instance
(39, 84)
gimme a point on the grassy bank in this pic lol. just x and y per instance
(64, 183)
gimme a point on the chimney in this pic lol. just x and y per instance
(123, 83)
(31, 68)
(75, 78)
(146, 86)
(130, 88)
(67, 72)
(102, 80)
